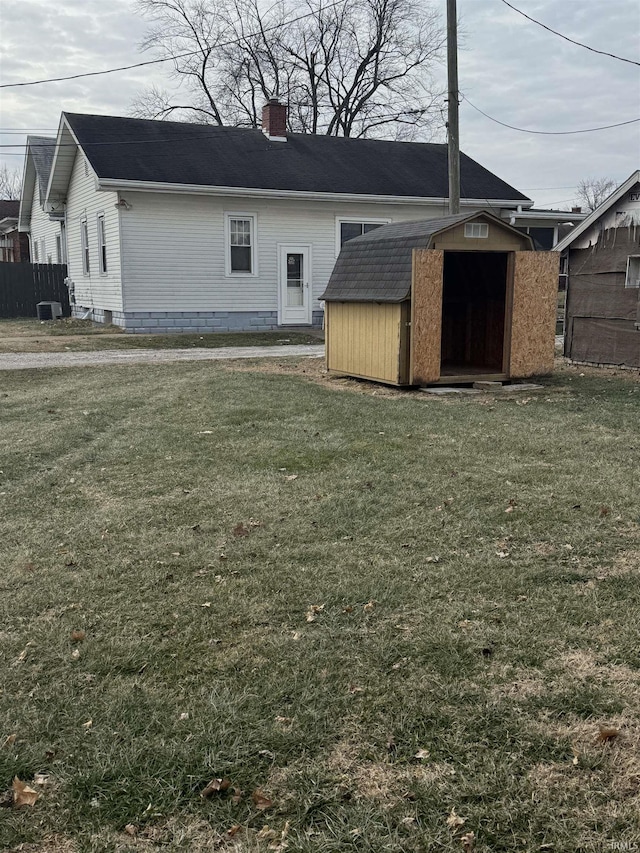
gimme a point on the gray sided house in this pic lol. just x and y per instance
(455, 299)
(184, 227)
(601, 261)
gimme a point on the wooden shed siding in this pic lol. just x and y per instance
(174, 248)
(533, 318)
(365, 340)
(94, 290)
(499, 240)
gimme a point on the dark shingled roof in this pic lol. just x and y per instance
(131, 149)
(376, 267)
(42, 149)
(9, 208)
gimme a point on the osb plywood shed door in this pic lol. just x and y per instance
(535, 287)
(426, 316)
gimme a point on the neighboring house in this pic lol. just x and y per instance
(601, 260)
(195, 227)
(47, 237)
(14, 246)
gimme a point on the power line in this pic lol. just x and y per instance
(548, 132)
(24, 146)
(566, 38)
(166, 58)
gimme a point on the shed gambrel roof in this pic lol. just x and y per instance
(376, 267)
(197, 155)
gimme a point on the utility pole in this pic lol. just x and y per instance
(452, 114)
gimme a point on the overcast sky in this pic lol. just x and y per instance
(510, 68)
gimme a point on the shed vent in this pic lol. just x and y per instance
(476, 229)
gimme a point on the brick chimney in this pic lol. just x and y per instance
(576, 210)
(274, 120)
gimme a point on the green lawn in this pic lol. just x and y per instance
(359, 610)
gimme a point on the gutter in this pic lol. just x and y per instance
(254, 192)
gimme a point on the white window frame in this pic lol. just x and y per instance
(103, 264)
(628, 281)
(253, 219)
(361, 220)
(84, 246)
(476, 230)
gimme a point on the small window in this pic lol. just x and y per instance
(102, 245)
(84, 244)
(633, 271)
(58, 249)
(476, 229)
(241, 242)
(349, 230)
(36, 256)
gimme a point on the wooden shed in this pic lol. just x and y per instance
(442, 301)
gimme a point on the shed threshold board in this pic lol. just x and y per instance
(465, 378)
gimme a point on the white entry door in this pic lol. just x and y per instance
(295, 286)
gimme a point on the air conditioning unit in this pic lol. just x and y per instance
(49, 310)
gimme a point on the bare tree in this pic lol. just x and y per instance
(354, 68)
(593, 191)
(10, 183)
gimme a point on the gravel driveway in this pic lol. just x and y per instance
(26, 360)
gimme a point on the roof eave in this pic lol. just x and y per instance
(26, 193)
(257, 192)
(62, 163)
(597, 213)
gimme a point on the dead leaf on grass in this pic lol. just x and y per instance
(131, 829)
(240, 530)
(291, 477)
(78, 636)
(313, 610)
(261, 801)
(454, 820)
(215, 786)
(23, 794)
(75, 654)
(369, 607)
(468, 841)
(234, 830)
(9, 740)
(607, 733)
(422, 755)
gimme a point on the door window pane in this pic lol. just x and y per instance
(295, 280)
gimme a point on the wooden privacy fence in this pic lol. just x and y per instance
(23, 285)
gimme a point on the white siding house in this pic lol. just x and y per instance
(93, 241)
(190, 227)
(46, 236)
